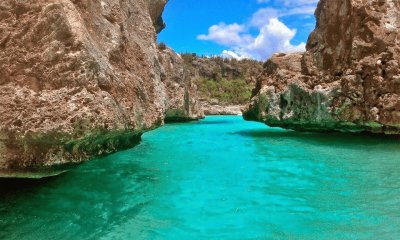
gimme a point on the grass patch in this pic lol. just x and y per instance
(236, 91)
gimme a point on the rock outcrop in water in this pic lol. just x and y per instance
(347, 80)
(78, 79)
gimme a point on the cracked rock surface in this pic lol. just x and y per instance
(78, 79)
(347, 80)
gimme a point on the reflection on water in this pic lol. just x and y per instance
(222, 178)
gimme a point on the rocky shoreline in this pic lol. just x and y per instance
(82, 79)
(347, 80)
(216, 109)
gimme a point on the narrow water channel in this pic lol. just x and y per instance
(220, 178)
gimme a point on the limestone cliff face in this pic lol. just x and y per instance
(224, 84)
(182, 101)
(347, 80)
(156, 8)
(78, 79)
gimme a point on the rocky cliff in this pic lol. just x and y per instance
(182, 103)
(224, 84)
(78, 79)
(347, 80)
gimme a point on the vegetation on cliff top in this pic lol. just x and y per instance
(235, 92)
(223, 80)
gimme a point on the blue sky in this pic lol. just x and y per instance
(238, 28)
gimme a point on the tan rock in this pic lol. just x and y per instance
(217, 109)
(182, 102)
(78, 79)
(347, 78)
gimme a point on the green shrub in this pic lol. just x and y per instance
(162, 46)
(236, 91)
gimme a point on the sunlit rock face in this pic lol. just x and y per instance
(347, 80)
(78, 79)
(156, 8)
(182, 100)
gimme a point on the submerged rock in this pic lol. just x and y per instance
(347, 80)
(78, 79)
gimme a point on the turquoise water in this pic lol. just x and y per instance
(220, 178)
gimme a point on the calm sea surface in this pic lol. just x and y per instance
(220, 178)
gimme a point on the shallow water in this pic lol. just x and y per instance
(220, 178)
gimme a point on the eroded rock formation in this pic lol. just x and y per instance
(347, 80)
(182, 101)
(78, 79)
(224, 84)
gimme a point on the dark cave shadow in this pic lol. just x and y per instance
(216, 122)
(323, 138)
(12, 186)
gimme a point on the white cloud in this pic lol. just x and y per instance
(305, 8)
(224, 34)
(298, 2)
(274, 37)
(271, 35)
(231, 54)
(262, 16)
(290, 3)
